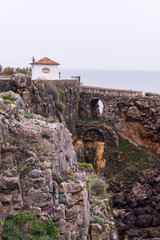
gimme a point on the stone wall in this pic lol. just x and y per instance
(109, 91)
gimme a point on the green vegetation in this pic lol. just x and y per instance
(8, 71)
(25, 226)
(7, 101)
(41, 151)
(12, 141)
(60, 106)
(8, 96)
(51, 89)
(8, 173)
(45, 134)
(151, 94)
(57, 177)
(63, 94)
(98, 220)
(87, 166)
(94, 121)
(1, 107)
(124, 97)
(98, 186)
(62, 199)
(29, 115)
(127, 162)
(97, 202)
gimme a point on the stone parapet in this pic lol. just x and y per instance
(110, 91)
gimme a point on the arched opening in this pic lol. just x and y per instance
(96, 108)
(93, 135)
(100, 105)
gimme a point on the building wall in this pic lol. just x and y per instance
(37, 72)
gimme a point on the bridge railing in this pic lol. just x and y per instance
(110, 91)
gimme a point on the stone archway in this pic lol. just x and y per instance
(96, 106)
(93, 135)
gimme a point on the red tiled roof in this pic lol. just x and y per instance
(45, 61)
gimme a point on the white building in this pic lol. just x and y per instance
(45, 69)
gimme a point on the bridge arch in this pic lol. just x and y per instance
(96, 107)
(93, 135)
(94, 132)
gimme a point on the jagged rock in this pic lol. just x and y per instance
(39, 173)
(21, 80)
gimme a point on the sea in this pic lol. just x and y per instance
(146, 81)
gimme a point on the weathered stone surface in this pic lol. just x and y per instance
(39, 172)
(21, 80)
(137, 206)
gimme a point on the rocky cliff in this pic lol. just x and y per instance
(39, 174)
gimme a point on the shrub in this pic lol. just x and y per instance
(8, 96)
(63, 95)
(100, 203)
(98, 186)
(62, 199)
(29, 115)
(41, 151)
(45, 134)
(150, 94)
(1, 68)
(50, 88)
(8, 101)
(8, 173)
(60, 106)
(98, 220)
(27, 226)
(88, 166)
(8, 71)
(57, 177)
(12, 140)
(124, 97)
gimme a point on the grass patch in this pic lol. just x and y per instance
(87, 166)
(94, 121)
(60, 106)
(8, 96)
(127, 162)
(8, 101)
(29, 115)
(51, 89)
(98, 186)
(98, 220)
(63, 94)
(45, 134)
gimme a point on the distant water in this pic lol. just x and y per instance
(146, 81)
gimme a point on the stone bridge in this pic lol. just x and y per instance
(110, 99)
(97, 133)
(109, 91)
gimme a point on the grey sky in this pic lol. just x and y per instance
(82, 34)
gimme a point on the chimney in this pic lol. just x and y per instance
(33, 59)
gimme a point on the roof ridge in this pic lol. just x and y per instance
(45, 61)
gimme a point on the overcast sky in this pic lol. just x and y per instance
(81, 34)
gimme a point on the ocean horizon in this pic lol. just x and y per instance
(146, 81)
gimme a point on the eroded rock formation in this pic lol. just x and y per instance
(137, 207)
(39, 174)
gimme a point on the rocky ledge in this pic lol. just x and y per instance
(39, 174)
(137, 207)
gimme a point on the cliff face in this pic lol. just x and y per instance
(137, 207)
(39, 174)
(140, 121)
(55, 100)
